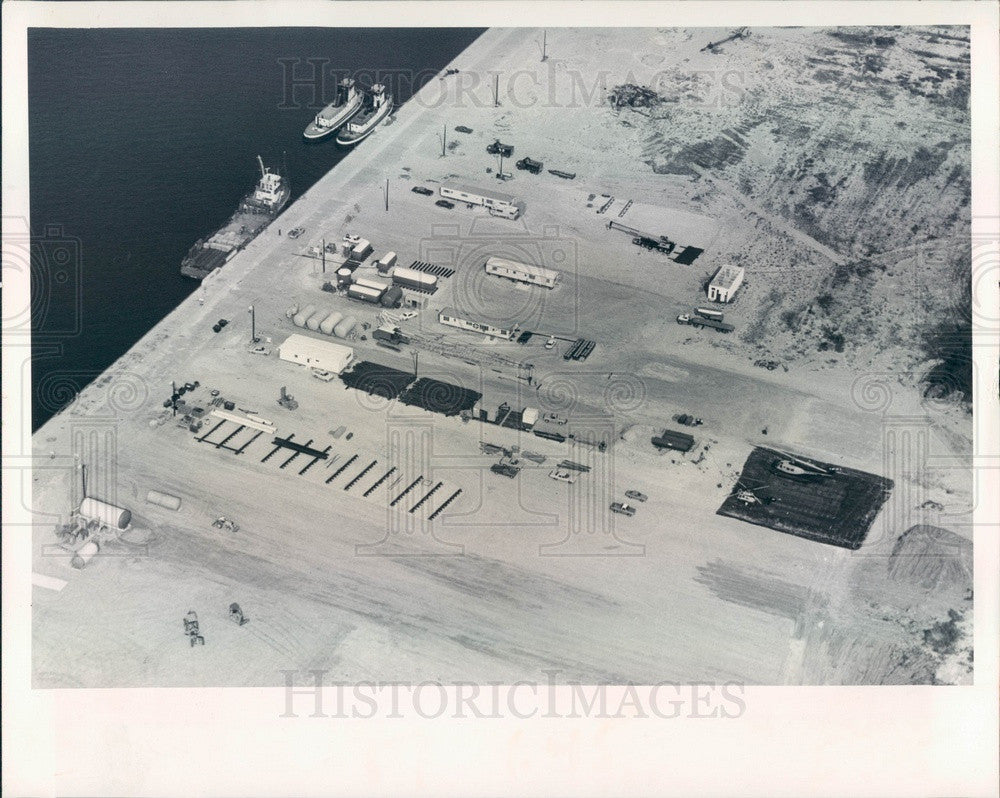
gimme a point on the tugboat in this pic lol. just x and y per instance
(255, 212)
(333, 117)
(377, 106)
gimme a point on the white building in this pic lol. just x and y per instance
(521, 272)
(453, 318)
(317, 354)
(498, 203)
(725, 284)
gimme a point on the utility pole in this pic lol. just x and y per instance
(253, 326)
(496, 90)
(322, 243)
(387, 195)
(444, 138)
(544, 42)
(416, 355)
(173, 396)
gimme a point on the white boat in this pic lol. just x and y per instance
(377, 106)
(333, 117)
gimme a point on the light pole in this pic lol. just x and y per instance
(253, 325)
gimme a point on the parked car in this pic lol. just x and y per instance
(296, 232)
(550, 343)
(504, 470)
(562, 475)
(222, 323)
(689, 421)
(463, 129)
(422, 190)
(325, 376)
(623, 509)
(443, 203)
(636, 495)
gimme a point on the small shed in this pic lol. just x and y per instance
(670, 439)
(725, 284)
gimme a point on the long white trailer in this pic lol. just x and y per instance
(521, 272)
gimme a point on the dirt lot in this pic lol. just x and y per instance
(528, 573)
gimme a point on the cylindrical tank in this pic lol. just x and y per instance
(344, 328)
(299, 319)
(413, 278)
(291, 311)
(163, 500)
(364, 293)
(393, 297)
(343, 277)
(85, 554)
(326, 326)
(313, 322)
(366, 282)
(96, 510)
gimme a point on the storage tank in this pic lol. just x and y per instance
(291, 311)
(411, 278)
(84, 554)
(364, 293)
(299, 319)
(313, 322)
(345, 327)
(393, 297)
(326, 326)
(378, 285)
(96, 510)
(163, 500)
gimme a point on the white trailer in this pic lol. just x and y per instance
(521, 272)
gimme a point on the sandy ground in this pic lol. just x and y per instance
(516, 576)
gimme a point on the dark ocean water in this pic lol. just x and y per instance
(143, 141)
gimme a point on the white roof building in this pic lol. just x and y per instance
(316, 353)
(725, 284)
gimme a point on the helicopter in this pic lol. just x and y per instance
(748, 496)
(792, 466)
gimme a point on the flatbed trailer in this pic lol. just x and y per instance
(721, 326)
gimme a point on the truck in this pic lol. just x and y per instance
(390, 334)
(530, 165)
(658, 244)
(497, 148)
(699, 321)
